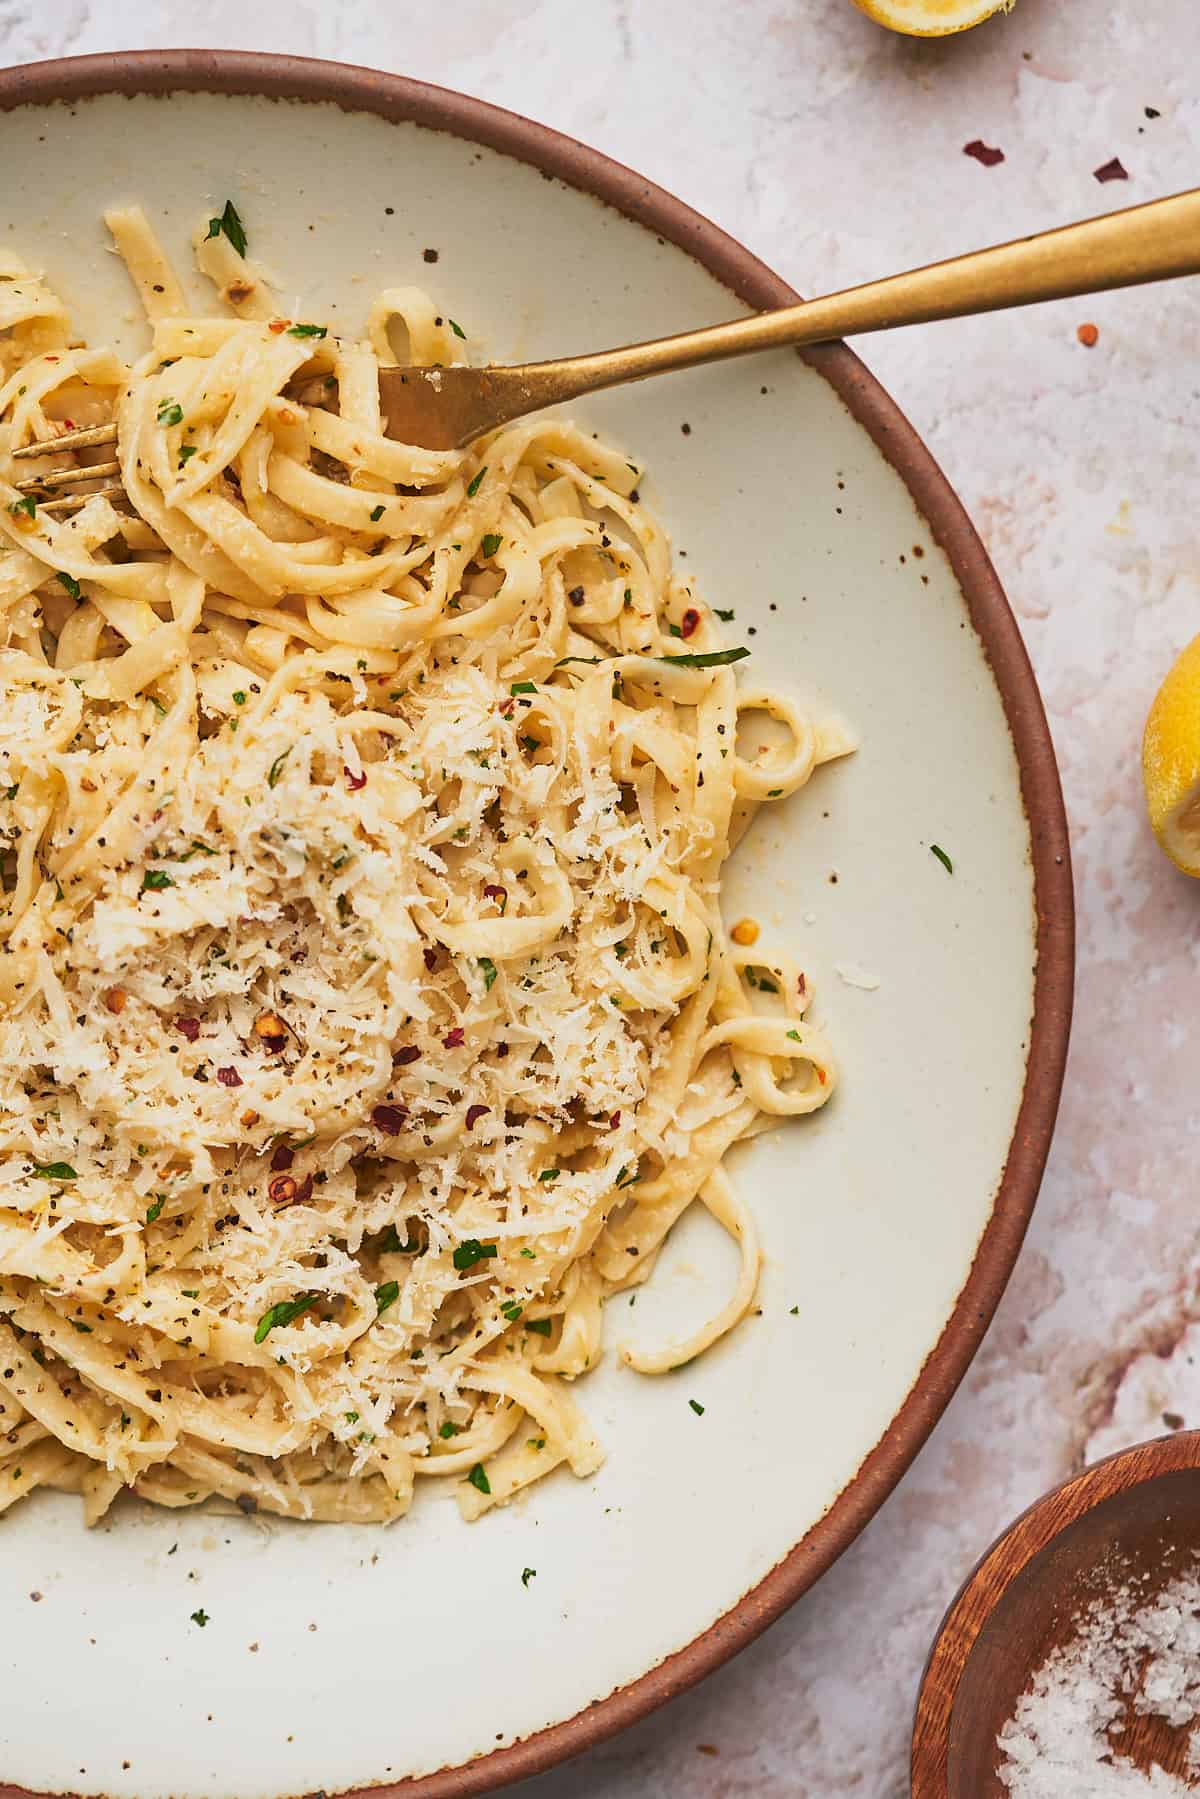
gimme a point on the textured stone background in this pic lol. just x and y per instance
(836, 153)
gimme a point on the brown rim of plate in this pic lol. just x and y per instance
(394, 97)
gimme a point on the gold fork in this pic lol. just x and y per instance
(447, 408)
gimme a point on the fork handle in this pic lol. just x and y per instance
(1155, 242)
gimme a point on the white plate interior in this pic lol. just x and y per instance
(336, 1655)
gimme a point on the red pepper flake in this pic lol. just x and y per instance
(270, 1029)
(821, 1076)
(402, 1057)
(229, 1077)
(456, 1038)
(281, 1190)
(188, 1027)
(354, 783)
(305, 1190)
(1113, 170)
(474, 1113)
(689, 622)
(576, 596)
(614, 1121)
(430, 956)
(278, 326)
(389, 1119)
(987, 154)
(1088, 335)
(505, 708)
(499, 894)
(502, 1050)
(801, 985)
(283, 1158)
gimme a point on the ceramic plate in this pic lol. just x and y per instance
(338, 1657)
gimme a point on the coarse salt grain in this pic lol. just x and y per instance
(1127, 1653)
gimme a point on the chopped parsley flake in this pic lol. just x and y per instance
(286, 1312)
(26, 507)
(457, 329)
(200, 1617)
(386, 1296)
(762, 981)
(491, 543)
(308, 330)
(449, 1430)
(155, 1210)
(170, 412)
(488, 969)
(55, 1171)
(155, 879)
(479, 1480)
(473, 484)
(276, 768)
(696, 1407)
(229, 223)
(707, 658)
(472, 1251)
(725, 615)
(527, 1574)
(69, 582)
(935, 849)
(376, 514)
(541, 1327)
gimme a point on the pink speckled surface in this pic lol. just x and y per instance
(835, 153)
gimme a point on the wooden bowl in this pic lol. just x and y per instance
(1135, 1515)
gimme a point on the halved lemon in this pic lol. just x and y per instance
(931, 18)
(1171, 761)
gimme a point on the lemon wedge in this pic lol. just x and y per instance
(931, 18)
(1171, 761)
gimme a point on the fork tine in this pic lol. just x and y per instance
(76, 501)
(71, 440)
(68, 477)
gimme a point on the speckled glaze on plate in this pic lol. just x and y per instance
(337, 1658)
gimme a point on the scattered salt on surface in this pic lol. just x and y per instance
(1127, 1651)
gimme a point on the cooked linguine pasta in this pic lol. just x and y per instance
(366, 1013)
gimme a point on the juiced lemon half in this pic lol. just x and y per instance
(931, 18)
(1171, 761)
